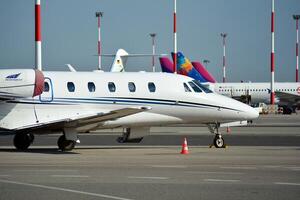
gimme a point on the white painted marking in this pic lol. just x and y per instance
(294, 168)
(70, 176)
(238, 167)
(221, 180)
(148, 177)
(64, 190)
(203, 172)
(168, 166)
(45, 170)
(283, 183)
(4, 175)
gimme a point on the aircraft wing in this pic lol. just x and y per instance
(287, 97)
(86, 120)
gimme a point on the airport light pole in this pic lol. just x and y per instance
(272, 97)
(153, 50)
(99, 15)
(38, 36)
(296, 18)
(206, 62)
(175, 39)
(224, 35)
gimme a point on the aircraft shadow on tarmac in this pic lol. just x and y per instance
(58, 152)
(38, 150)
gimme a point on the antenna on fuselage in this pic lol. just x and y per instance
(38, 36)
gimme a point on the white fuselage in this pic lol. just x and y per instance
(71, 94)
(259, 92)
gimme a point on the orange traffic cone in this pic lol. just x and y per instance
(184, 149)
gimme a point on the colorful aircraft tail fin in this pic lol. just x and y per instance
(205, 74)
(185, 67)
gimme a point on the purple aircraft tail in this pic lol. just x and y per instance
(205, 74)
(166, 65)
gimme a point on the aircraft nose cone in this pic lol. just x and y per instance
(252, 113)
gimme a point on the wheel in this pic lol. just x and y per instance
(219, 141)
(23, 140)
(65, 145)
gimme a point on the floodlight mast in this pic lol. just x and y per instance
(206, 62)
(175, 39)
(38, 36)
(296, 18)
(99, 15)
(272, 96)
(153, 50)
(224, 35)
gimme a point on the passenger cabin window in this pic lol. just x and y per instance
(46, 87)
(71, 86)
(195, 87)
(91, 86)
(186, 88)
(131, 87)
(151, 87)
(111, 87)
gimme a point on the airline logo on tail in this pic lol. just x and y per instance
(185, 67)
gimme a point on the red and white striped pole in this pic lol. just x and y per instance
(224, 56)
(272, 97)
(297, 17)
(38, 36)
(99, 15)
(175, 40)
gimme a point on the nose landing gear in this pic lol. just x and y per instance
(218, 141)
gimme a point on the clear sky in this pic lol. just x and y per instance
(69, 34)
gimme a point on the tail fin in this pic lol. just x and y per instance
(205, 74)
(166, 65)
(119, 61)
(185, 67)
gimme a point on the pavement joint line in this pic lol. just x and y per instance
(221, 180)
(4, 175)
(69, 176)
(168, 166)
(148, 177)
(63, 189)
(238, 167)
(204, 172)
(286, 183)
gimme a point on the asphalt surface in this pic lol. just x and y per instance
(261, 162)
(151, 173)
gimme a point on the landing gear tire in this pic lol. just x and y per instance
(64, 144)
(23, 140)
(219, 142)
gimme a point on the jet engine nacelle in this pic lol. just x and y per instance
(18, 83)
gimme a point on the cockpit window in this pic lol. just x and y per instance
(186, 88)
(205, 89)
(195, 87)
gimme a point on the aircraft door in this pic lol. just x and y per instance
(47, 95)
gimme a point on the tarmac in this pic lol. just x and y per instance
(262, 161)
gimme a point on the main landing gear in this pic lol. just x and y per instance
(64, 144)
(23, 140)
(218, 141)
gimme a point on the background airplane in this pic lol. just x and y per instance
(287, 94)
